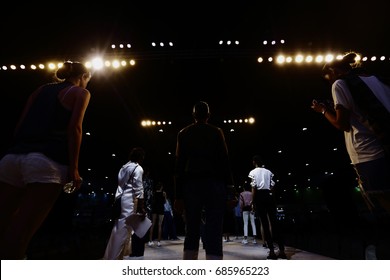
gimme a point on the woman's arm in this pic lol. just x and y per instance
(75, 131)
(338, 117)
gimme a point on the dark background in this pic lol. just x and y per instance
(166, 82)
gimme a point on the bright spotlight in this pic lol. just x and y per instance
(97, 63)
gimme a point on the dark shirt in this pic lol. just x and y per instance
(158, 203)
(201, 153)
(44, 128)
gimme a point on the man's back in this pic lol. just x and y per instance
(202, 152)
(202, 176)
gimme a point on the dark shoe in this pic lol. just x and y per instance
(282, 255)
(272, 256)
(265, 245)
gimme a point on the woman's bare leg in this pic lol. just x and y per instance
(34, 205)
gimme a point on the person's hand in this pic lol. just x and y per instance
(318, 107)
(74, 176)
(140, 207)
(77, 184)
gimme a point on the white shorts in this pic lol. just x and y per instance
(21, 169)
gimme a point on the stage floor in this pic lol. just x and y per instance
(234, 250)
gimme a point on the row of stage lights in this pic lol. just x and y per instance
(100, 63)
(152, 123)
(171, 44)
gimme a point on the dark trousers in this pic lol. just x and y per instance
(169, 227)
(137, 245)
(208, 196)
(266, 208)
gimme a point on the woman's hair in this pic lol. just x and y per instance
(71, 69)
(346, 64)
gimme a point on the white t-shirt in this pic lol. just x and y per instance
(261, 178)
(361, 142)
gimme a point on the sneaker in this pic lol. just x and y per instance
(282, 255)
(150, 243)
(244, 241)
(254, 241)
(158, 244)
(272, 256)
(265, 245)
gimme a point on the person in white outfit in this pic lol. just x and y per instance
(248, 213)
(361, 106)
(262, 184)
(130, 187)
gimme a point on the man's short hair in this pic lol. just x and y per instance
(137, 154)
(201, 110)
(258, 160)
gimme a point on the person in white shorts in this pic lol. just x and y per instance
(43, 158)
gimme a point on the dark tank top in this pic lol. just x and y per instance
(158, 203)
(44, 128)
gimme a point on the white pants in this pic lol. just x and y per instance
(246, 215)
(121, 231)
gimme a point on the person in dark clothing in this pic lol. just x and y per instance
(169, 225)
(157, 213)
(137, 247)
(43, 158)
(202, 177)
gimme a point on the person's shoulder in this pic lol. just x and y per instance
(125, 165)
(130, 165)
(140, 168)
(80, 91)
(186, 128)
(213, 126)
(215, 129)
(52, 86)
(47, 85)
(340, 83)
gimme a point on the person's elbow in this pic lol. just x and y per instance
(342, 119)
(343, 126)
(75, 129)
